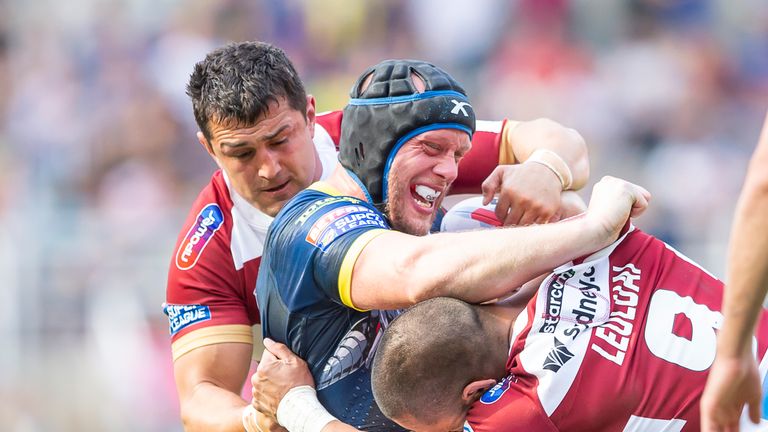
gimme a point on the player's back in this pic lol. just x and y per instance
(622, 341)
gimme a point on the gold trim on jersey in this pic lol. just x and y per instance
(326, 188)
(345, 273)
(235, 333)
(506, 149)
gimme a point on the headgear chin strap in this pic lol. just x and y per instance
(390, 111)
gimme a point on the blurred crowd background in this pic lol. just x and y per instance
(99, 161)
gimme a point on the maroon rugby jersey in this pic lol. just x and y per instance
(621, 341)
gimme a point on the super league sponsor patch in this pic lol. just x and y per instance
(181, 316)
(340, 221)
(208, 221)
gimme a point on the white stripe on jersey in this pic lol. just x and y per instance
(488, 126)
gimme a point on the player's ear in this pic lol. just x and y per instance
(207, 146)
(475, 389)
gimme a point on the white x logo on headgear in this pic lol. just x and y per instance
(459, 106)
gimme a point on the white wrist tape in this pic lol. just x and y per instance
(249, 412)
(555, 163)
(300, 411)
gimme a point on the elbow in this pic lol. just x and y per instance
(571, 146)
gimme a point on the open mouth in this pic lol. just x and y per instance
(424, 196)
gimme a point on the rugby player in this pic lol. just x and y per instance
(336, 267)
(260, 127)
(620, 340)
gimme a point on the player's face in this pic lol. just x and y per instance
(270, 161)
(420, 176)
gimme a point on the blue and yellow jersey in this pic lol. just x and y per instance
(303, 291)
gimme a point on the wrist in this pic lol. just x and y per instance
(248, 417)
(555, 163)
(300, 411)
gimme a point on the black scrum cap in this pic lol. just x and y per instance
(390, 111)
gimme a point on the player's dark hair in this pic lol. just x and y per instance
(426, 358)
(236, 83)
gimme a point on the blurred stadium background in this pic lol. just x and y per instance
(99, 162)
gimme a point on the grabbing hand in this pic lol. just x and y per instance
(529, 193)
(614, 201)
(733, 382)
(279, 371)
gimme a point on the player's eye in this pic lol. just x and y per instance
(432, 149)
(243, 155)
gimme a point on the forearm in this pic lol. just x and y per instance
(482, 273)
(474, 266)
(524, 138)
(747, 282)
(212, 408)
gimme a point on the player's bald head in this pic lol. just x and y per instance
(426, 358)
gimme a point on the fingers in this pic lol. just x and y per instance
(278, 350)
(490, 186)
(754, 411)
(642, 197)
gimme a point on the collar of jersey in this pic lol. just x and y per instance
(325, 188)
(251, 214)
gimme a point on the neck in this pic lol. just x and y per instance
(342, 181)
(498, 321)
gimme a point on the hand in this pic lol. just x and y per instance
(528, 193)
(255, 421)
(279, 371)
(614, 201)
(732, 383)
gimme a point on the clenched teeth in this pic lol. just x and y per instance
(426, 192)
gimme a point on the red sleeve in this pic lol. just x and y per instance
(331, 122)
(482, 159)
(206, 299)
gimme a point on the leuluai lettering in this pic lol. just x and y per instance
(614, 335)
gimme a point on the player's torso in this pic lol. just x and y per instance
(337, 341)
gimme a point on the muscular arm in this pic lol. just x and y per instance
(396, 270)
(529, 136)
(734, 380)
(209, 380)
(747, 256)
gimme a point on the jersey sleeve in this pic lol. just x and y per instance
(337, 237)
(489, 149)
(331, 122)
(204, 302)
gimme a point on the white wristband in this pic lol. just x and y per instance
(300, 411)
(248, 412)
(555, 163)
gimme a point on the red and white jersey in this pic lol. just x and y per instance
(213, 272)
(621, 341)
(209, 297)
